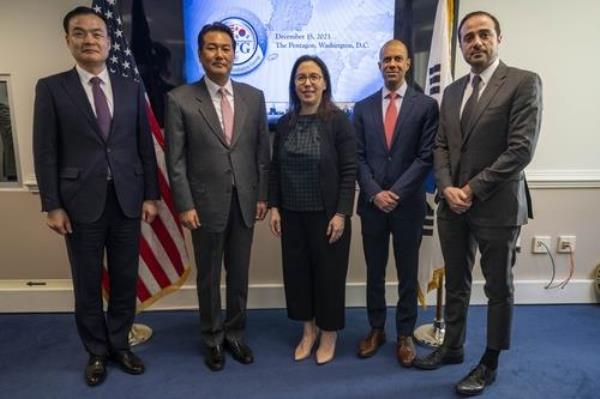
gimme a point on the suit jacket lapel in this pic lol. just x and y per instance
(405, 110)
(72, 85)
(239, 112)
(490, 91)
(377, 118)
(207, 110)
(455, 98)
(118, 95)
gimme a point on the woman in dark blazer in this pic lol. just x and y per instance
(311, 194)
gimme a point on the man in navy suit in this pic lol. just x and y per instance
(396, 127)
(96, 172)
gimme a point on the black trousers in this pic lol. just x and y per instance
(459, 240)
(377, 226)
(230, 247)
(314, 271)
(119, 236)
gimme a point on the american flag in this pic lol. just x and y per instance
(164, 264)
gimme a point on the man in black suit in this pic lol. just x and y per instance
(489, 127)
(395, 128)
(96, 172)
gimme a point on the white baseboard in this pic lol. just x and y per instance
(57, 295)
(536, 178)
(563, 178)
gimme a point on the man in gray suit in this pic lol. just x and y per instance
(489, 127)
(217, 158)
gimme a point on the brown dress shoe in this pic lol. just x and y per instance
(405, 351)
(369, 345)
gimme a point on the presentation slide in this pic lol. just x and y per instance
(272, 34)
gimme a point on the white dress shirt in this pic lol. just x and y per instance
(385, 100)
(85, 76)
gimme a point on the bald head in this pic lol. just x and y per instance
(395, 43)
(394, 63)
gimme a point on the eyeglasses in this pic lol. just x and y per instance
(313, 78)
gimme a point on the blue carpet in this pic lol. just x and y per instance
(555, 354)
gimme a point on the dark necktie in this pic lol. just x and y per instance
(469, 109)
(101, 105)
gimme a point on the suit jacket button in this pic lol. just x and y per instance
(108, 150)
(390, 159)
(228, 171)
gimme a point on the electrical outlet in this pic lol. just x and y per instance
(537, 246)
(566, 244)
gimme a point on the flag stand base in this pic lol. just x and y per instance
(432, 334)
(139, 334)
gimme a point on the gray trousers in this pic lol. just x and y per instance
(459, 240)
(230, 248)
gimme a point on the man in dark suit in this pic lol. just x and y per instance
(489, 127)
(396, 127)
(96, 172)
(218, 158)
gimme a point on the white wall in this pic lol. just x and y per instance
(559, 40)
(32, 46)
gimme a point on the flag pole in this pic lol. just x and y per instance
(165, 234)
(439, 76)
(432, 334)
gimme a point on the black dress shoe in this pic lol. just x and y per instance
(437, 358)
(214, 358)
(239, 350)
(476, 381)
(129, 362)
(95, 370)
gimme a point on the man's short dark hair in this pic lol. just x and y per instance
(81, 10)
(215, 27)
(479, 13)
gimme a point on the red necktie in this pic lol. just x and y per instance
(227, 114)
(391, 114)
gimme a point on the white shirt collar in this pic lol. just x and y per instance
(487, 73)
(401, 91)
(85, 76)
(213, 88)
